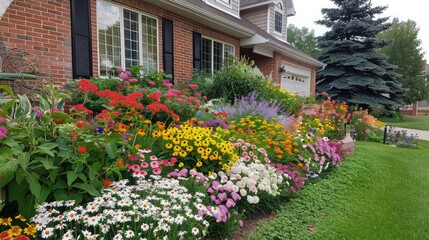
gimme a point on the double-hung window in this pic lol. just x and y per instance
(213, 54)
(125, 38)
(278, 18)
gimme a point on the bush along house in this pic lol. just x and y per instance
(86, 38)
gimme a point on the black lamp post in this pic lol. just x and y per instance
(352, 132)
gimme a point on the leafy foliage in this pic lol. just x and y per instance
(404, 51)
(304, 40)
(356, 73)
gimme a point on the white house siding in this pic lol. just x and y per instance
(232, 8)
(257, 16)
(4, 4)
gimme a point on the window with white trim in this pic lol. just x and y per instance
(125, 38)
(278, 18)
(213, 54)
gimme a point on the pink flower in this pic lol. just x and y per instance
(133, 158)
(153, 158)
(119, 69)
(135, 168)
(240, 223)
(123, 76)
(157, 170)
(144, 164)
(2, 119)
(230, 203)
(193, 86)
(222, 196)
(154, 164)
(152, 83)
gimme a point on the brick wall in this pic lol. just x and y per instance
(42, 28)
(272, 66)
(183, 28)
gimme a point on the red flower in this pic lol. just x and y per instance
(156, 96)
(73, 134)
(107, 182)
(81, 108)
(81, 149)
(4, 236)
(86, 86)
(22, 238)
(58, 120)
(193, 86)
(119, 163)
(80, 123)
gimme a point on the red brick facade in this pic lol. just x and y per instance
(272, 66)
(43, 28)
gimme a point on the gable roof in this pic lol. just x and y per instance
(249, 33)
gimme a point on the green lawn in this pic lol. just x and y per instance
(381, 192)
(414, 122)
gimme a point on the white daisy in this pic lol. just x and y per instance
(47, 232)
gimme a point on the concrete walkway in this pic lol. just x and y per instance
(423, 135)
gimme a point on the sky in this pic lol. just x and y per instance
(309, 11)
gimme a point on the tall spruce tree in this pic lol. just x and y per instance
(356, 72)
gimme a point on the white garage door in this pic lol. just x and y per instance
(296, 79)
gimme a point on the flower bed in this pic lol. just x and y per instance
(152, 161)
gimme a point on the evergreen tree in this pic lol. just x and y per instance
(356, 72)
(404, 51)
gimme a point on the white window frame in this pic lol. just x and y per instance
(227, 3)
(121, 25)
(212, 50)
(279, 8)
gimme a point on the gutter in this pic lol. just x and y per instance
(297, 55)
(216, 19)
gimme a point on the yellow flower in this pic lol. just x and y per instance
(30, 230)
(189, 148)
(141, 132)
(6, 221)
(20, 217)
(177, 148)
(181, 164)
(168, 145)
(137, 147)
(225, 167)
(14, 231)
(199, 164)
(183, 153)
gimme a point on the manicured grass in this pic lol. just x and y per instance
(381, 192)
(414, 122)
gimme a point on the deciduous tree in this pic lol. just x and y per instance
(404, 51)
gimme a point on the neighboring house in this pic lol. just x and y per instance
(86, 38)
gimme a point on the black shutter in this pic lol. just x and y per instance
(197, 50)
(81, 38)
(167, 46)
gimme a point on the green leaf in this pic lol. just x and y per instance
(48, 164)
(7, 89)
(71, 177)
(23, 108)
(24, 160)
(17, 191)
(33, 183)
(111, 149)
(47, 146)
(88, 188)
(61, 195)
(53, 174)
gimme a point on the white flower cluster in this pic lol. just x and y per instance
(253, 177)
(157, 208)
